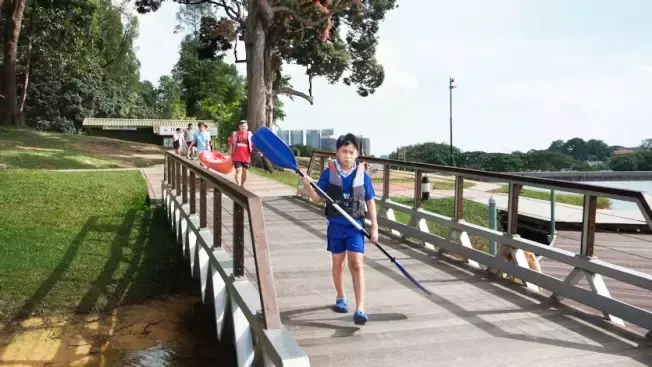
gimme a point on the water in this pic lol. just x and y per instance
(629, 185)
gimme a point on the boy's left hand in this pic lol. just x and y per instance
(374, 233)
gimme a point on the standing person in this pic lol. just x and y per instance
(349, 185)
(177, 140)
(189, 134)
(240, 148)
(201, 140)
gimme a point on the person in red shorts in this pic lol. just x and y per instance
(240, 148)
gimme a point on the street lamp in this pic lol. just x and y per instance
(450, 98)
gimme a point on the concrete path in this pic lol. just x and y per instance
(259, 185)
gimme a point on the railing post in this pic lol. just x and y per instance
(492, 224)
(512, 208)
(459, 197)
(417, 189)
(172, 175)
(553, 229)
(217, 218)
(238, 240)
(322, 163)
(193, 193)
(184, 185)
(202, 204)
(177, 178)
(165, 169)
(386, 173)
(588, 225)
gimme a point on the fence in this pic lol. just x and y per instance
(250, 305)
(512, 246)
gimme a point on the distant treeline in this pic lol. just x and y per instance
(573, 155)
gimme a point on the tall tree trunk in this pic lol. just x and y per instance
(28, 63)
(12, 32)
(255, 46)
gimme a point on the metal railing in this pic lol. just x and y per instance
(513, 246)
(259, 334)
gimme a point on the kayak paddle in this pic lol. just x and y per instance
(272, 147)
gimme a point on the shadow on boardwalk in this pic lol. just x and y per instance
(470, 316)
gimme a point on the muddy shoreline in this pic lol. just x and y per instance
(172, 330)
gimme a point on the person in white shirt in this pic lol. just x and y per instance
(177, 140)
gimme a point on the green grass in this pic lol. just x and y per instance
(81, 241)
(27, 148)
(603, 203)
(285, 177)
(291, 179)
(475, 213)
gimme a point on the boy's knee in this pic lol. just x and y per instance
(355, 262)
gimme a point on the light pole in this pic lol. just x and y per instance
(450, 99)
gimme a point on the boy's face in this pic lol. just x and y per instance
(244, 127)
(347, 154)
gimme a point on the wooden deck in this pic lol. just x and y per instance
(470, 320)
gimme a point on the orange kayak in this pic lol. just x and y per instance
(216, 161)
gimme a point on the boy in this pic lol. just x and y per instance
(350, 187)
(201, 140)
(240, 148)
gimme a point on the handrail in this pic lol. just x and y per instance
(255, 312)
(243, 200)
(511, 259)
(642, 199)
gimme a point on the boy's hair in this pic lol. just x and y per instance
(348, 139)
(189, 125)
(242, 122)
(178, 129)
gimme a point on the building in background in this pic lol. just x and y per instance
(284, 135)
(152, 131)
(328, 143)
(296, 137)
(365, 145)
(313, 139)
(327, 132)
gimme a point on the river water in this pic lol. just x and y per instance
(615, 204)
(629, 185)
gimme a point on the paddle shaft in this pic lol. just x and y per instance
(346, 215)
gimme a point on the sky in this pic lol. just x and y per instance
(527, 72)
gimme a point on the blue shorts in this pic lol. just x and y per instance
(353, 242)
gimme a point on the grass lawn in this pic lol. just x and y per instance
(572, 199)
(291, 178)
(81, 242)
(475, 213)
(28, 148)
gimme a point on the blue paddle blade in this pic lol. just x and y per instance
(405, 272)
(274, 149)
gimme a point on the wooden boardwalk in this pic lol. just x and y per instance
(470, 320)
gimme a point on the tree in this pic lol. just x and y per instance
(306, 33)
(598, 150)
(646, 144)
(624, 162)
(14, 11)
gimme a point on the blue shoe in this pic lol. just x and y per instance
(360, 318)
(341, 306)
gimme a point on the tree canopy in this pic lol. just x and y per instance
(334, 39)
